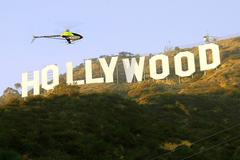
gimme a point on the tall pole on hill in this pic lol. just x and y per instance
(179, 80)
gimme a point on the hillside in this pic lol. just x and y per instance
(172, 119)
(111, 127)
(227, 75)
(225, 78)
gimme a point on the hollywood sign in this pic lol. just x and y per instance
(131, 67)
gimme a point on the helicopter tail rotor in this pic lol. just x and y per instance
(34, 38)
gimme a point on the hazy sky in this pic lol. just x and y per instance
(108, 27)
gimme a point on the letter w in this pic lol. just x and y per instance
(133, 69)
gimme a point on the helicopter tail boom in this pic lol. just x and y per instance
(35, 37)
(51, 37)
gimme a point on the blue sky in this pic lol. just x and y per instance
(108, 27)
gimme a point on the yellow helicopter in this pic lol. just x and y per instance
(66, 35)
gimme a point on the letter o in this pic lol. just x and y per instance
(190, 63)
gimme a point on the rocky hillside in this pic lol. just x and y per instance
(225, 78)
(172, 119)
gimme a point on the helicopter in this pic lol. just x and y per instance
(66, 35)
